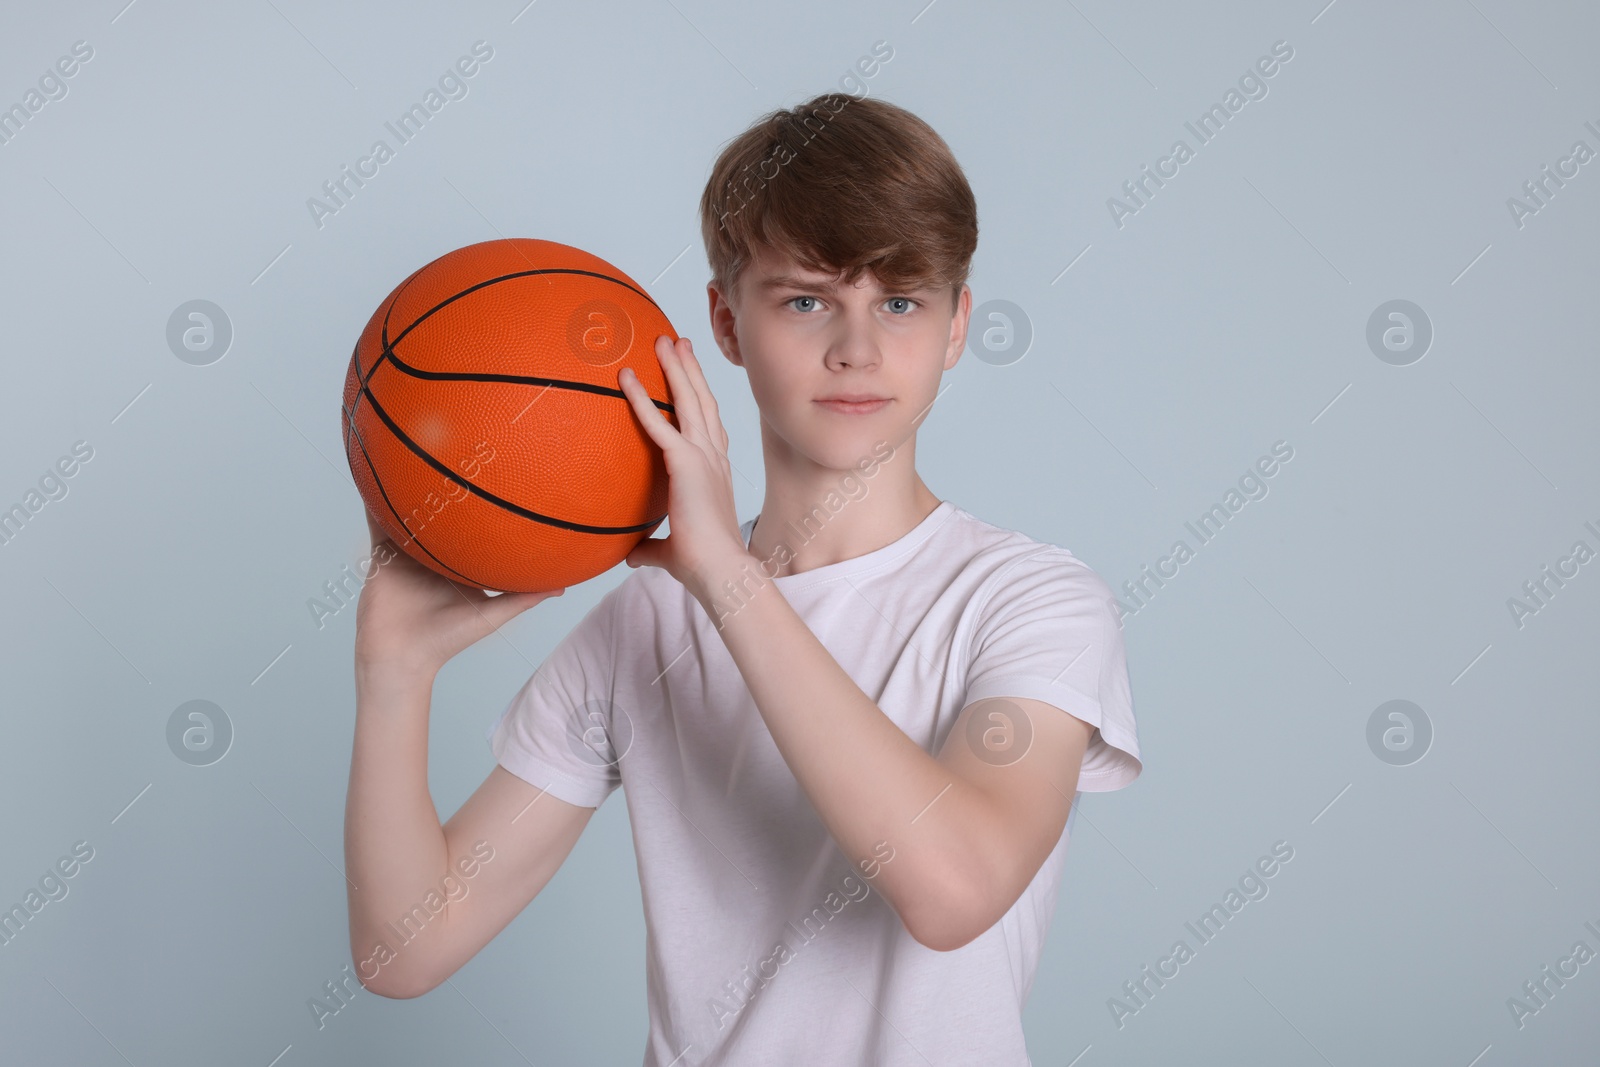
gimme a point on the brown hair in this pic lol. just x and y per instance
(843, 184)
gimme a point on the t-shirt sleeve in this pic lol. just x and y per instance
(1048, 631)
(561, 731)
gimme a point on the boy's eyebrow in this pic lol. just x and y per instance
(790, 281)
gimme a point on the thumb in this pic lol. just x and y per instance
(646, 553)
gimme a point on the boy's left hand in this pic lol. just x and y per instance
(706, 540)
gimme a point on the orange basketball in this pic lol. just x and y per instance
(484, 425)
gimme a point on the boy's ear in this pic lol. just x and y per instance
(722, 324)
(958, 327)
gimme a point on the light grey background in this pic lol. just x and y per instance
(1228, 313)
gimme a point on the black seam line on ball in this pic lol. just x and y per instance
(349, 420)
(388, 345)
(364, 390)
(515, 379)
(516, 509)
(384, 335)
(373, 470)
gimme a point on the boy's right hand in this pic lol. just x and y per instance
(411, 619)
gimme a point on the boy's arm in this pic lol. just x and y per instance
(401, 866)
(447, 889)
(965, 834)
(966, 831)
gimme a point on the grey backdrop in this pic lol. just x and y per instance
(1170, 349)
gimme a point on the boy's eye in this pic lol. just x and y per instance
(900, 305)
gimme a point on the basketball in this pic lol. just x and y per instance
(483, 422)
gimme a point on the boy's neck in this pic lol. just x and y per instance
(816, 537)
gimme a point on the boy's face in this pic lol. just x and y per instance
(802, 338)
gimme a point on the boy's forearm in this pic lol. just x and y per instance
(394, 842)
(875, 788)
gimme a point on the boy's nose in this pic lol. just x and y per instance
(855, 347)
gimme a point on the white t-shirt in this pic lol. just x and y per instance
(764, 944)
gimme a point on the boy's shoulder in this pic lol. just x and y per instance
(1016, 562)
(1002, 551)
(986, 536)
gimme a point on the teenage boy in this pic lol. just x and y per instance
(851, 728)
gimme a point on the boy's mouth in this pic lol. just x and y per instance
(852, 405)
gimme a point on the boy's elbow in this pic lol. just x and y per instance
(943, 939)
(396, 990)
(949, 920)
(389, 983)
(949, 928)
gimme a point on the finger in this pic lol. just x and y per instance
(685, 394)
(501, 609)
(655, 422)
(380, 535)
(712, 413)
(373, 528)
